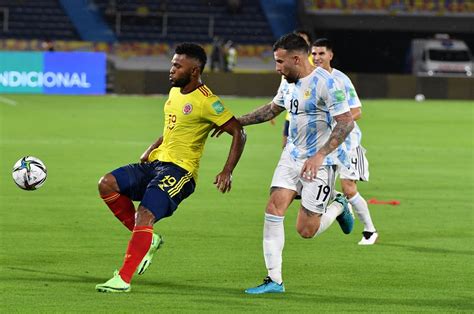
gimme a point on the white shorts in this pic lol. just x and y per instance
(316, 193)
(359, 169)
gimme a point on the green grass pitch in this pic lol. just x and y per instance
(58, 242)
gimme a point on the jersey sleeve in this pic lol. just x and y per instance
(352, 97)
(333, 94)
(215, 111)
(279, 99)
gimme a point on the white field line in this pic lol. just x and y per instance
(69, 141)
(8, 101)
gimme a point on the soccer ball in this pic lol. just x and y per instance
(419, 97)
(29, 173)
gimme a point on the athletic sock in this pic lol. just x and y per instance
(362, 211)
(273, 242)
(137, 248)
(332, 211)
(122, 207)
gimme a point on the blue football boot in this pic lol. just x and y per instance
(346, 219)
(268, 286)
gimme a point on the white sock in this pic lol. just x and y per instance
(332, 211)
(273, 242)
(362, 211)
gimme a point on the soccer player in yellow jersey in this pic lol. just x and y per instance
(167, 171)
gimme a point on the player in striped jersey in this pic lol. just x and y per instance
(167, 171)
(359, 171)
(319, 122)
(307, 38)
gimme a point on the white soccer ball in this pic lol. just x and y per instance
(419, 97)
(29, 173)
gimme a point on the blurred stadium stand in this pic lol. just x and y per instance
(392, 6)
(88, 21)
(371, 37)
(148, 20)
(382, 30)
(185, 20)
(146, 30)
(35, 19)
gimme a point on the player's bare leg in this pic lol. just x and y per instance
(307, 223)
(310, 224)
(274, 240)
(359, 204)
(108, 184)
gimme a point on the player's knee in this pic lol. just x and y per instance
(144, 217)
(306, 232)
(107, 184)
(349, 188)
(273, 210)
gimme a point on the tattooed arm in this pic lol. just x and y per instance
(344, 126)
(262, 114)
(259, 115)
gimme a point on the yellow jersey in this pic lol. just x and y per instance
(188, 120)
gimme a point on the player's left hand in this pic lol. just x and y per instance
(223, 181)
(310, 168)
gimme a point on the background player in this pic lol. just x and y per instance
(320, 121)
(322, 53)
(168, 168)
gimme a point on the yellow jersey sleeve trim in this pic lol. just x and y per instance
(224, 119)
(213, 110)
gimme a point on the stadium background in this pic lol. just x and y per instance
(59, 241)
(138, 37)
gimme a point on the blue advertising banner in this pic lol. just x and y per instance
(53, 72)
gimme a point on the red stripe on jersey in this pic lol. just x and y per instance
(203, 91)
(206, 89)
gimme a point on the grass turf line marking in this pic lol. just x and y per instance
(8, 101)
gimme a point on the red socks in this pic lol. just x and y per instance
(140, 243)
(137, 248)
(122, 207)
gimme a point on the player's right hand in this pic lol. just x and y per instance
(310, 168)
(223, 181)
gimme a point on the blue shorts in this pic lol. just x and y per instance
(159, 186)
(286, 128)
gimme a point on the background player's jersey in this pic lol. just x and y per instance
(188, 120)
(354, 138)
(312, 102)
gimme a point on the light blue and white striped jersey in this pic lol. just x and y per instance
(312, 103)
(354, 138)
